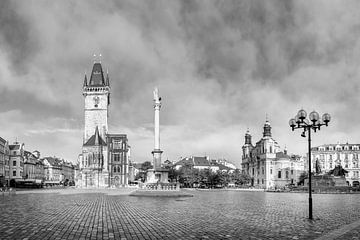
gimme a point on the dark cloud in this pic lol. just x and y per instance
(16, 38)
(221, 66)
(31, 107)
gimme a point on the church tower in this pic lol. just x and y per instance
(96, 92)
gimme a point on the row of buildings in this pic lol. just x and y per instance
(21, 167)
(270, 167)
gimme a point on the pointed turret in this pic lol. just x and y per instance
(85, 81)
(267, 129)
(107, 78)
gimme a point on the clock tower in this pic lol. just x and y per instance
(96, 92)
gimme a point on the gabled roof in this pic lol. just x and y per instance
(201, 161)
(185, 161)
(53, 161)
(97, 76)
(95, 140)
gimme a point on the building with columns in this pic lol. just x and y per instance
(98, 153)
(329, 156)
(268, 166)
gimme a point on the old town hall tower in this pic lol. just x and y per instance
(104, 161)
(97, 100)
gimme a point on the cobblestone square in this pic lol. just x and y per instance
(207, 215)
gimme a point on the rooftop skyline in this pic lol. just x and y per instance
(220, 67)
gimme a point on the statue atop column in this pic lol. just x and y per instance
(157, 99)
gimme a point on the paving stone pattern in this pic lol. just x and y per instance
(207, 215)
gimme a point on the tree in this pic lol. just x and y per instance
(240, 178)
(146, 166)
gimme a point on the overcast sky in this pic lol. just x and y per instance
(220, 67)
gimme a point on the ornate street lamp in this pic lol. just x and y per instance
(300, 121)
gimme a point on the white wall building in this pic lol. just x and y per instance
(331, 155)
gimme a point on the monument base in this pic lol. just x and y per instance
(157, 176)
(321, 181)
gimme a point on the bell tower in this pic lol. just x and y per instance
(96, 92)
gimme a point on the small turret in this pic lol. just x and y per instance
(247, 137)
(85, 81)
(107, 82)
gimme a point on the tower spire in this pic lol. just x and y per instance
(97, 136)
(247, 137)
(107, 83)
(85, 81)
(267, 128)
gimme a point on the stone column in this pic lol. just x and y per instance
(157, 152)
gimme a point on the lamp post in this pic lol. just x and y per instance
(301, 122)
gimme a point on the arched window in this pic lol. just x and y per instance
(118, 168)
(114, 168)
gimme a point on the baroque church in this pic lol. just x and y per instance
(267, 166)
(105, 157)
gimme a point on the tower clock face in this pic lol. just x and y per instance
(96, 101)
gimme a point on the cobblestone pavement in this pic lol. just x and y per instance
(207, 215)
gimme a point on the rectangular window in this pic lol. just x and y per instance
(14, 163)
(270, 170)
(262, 181)
(14, 173)
(116, 157)
(279, 174)
(117, 144)
(292, 172)
(287, 174)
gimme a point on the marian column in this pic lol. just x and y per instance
(157, 152)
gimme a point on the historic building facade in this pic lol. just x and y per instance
(329, 156)
(267, 166)
(16, 161)
(4, 162)
(99, 153)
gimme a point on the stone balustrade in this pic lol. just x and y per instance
(161, 187)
